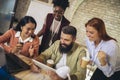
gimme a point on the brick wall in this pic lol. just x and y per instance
(80, 11)
(108, 10)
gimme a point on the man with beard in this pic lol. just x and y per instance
(65, 52)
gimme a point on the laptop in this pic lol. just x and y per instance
(15, 64)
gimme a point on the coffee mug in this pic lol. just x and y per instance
(63, 72)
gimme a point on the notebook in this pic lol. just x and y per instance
(15, 64)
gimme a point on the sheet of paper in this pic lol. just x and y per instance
(42, 66)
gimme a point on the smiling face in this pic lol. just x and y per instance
(58, 13)
(92, 33)
(27, 30)
(66, 42)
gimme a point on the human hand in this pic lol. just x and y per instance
(53, 75)
(17, 48)
(31, 51)
(34, 68)
(102, 57)
(90, 62)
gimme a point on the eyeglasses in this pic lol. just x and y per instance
(58, 12)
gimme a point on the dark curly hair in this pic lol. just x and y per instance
(62, 3)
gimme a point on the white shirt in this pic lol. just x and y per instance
(55, 29)
(55, 26)
(62, 61)
(112, 50)
(30, 39)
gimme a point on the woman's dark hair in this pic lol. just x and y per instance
(99, 25)
(24, 21)
(70, 30)
(62, 3)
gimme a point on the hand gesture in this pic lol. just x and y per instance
(102, 58)
(31, 51)
(17, 48)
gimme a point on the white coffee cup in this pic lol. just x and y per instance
(50, 62)
(63, 72)
(85, 61)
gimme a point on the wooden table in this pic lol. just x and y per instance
(28, 75)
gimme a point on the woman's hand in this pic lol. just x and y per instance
(102, 58)
(17, 48)
(31, 51)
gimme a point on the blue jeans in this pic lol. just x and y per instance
(4, 75)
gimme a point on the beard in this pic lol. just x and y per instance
(64, 48)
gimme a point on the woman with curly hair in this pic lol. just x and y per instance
(53, 24)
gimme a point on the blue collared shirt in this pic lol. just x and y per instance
(112, 51)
